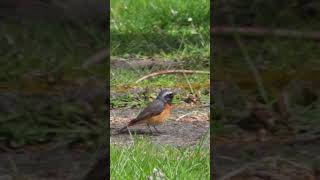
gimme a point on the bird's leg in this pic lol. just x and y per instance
(156, 129)
(150, 128)
(122, 129)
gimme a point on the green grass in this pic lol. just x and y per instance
(30, 49)
(140, 159)
(146, 16)
(128, 78)
(58, 121)
(125, 80)
(271, 53)
(176, 31)
(30, 53)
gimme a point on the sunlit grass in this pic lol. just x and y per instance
(140, 159)
(157, 15)
(175, 29)
(166, 31)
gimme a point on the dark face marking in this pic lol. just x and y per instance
(166, 96)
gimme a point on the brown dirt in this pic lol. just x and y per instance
(249, 159)
(50, 163)
(185, 127)
(47, 164)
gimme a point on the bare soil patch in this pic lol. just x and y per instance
(185, 127)
(277, 158)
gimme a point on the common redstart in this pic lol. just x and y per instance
(155, 113)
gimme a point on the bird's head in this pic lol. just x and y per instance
(166, 96)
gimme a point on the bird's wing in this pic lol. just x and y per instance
(154, 108)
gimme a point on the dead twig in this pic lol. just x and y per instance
(139, 63)
(172, 72)
(262, 32)
(96, 58)
(304, 139)
(269, 175)
(190, 113)
(227, 158)
(184, 115)
(245, 167)
(258, 79)
(299, 166)
(235, 172)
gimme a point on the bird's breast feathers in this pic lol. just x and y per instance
(160, 118)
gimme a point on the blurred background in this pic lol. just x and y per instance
(52, 112)
(266, 89)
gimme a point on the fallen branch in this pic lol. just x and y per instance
(185, 115)
(227, 158)
(117, 62)
(258, 31)
(235, 172)
(269, 175)
(172, 72)
(244, 168)
(97, 58)
(299, 166)
(305, 139)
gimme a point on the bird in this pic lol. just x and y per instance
(260, 119)
(155, 113)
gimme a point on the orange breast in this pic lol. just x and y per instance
(161, 117)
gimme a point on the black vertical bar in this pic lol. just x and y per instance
(212, 154)
(108, 90)
(101, 169)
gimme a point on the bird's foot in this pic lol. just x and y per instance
(158, 132)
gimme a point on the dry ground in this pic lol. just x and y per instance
(185, 127)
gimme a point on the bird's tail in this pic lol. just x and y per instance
(132, 122)
(123, 129)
